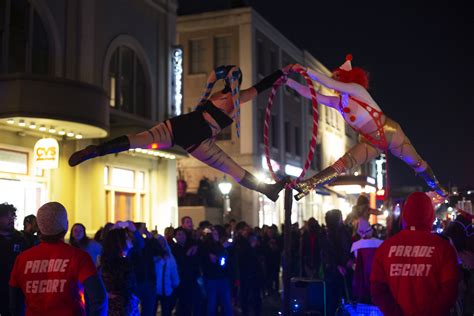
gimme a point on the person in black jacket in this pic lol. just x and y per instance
(189, 296)
(311, 250)
(144, 268)
(30, 230)
(272, 247)
(250, 260)
(336, 259)
(11, 244)
(216, 273)
(117, 272)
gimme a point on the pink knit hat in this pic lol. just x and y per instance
(52, 219)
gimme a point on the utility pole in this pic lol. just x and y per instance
(287, 253)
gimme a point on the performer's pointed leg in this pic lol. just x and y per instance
(269, 190)
(432, 182)
(357, 155)
(326, 176)
(160, 134)
(406, 152)
(211, 154)
(115, 145)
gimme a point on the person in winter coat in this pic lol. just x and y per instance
(336, 260)
(310, 250)
(415, 271)
(249, 259)
(460, 232)
(79, 239)
(167, 278)
(117, 270)
(216, 272)
(188, 294)
(12, 243)
(364, 252)
(143, 262)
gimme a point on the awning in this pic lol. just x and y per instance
(168, 153)
(350, 184)
(49, 106)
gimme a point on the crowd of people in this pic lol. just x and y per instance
(125, 269)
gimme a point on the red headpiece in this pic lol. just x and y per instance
(348, 74)
(347, 66)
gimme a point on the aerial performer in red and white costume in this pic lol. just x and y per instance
(196, 131)
(378, 133)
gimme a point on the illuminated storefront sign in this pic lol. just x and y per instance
(13, 161)
(379, 163)
(370, 180)
(293, 170)
(275, 165)
(46, 153)
(177, 81)
(354, 188)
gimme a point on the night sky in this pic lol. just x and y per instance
(421, 62)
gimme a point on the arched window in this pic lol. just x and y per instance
(128, 85)
(24, 45)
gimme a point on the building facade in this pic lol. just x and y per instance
(79, 72)
(242, 37)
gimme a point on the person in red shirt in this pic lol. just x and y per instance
(415, 272)
(46, 277)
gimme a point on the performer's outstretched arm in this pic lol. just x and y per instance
(304, 91)
(262, 85)
(259, 87)
(247, 94)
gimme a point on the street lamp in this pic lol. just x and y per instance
(261, 199)
(225, 188)
(266, 213)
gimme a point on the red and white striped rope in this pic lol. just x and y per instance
(268, 112)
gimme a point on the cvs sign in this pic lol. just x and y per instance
(46, 153)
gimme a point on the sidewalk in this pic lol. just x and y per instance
(271, 305)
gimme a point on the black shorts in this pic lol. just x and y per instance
(190, 130)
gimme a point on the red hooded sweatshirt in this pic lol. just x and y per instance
(415, 272)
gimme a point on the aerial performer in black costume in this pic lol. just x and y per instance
(378, 133)
(196, 131)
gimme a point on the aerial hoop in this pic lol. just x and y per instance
(268, 111)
